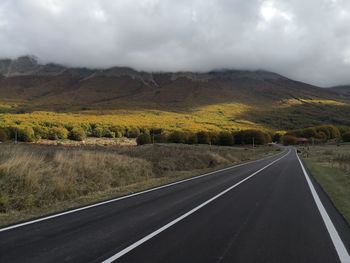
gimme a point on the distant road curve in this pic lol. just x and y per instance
(268, 210)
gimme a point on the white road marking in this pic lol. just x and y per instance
(124, 197)
(337, 242)
(158, 231)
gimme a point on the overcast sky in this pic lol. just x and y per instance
(307, 40)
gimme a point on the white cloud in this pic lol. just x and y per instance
(305, 40)
(269, 11)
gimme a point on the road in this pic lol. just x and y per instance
(263, 211)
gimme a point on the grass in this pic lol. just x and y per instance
(91, 141)
(330, 165)
(40, 179)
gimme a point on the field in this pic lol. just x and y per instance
(38, 179)
(330, 165)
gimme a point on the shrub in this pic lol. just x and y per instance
(68, 126)
(225, 138)
(4, 135)
(346, 137)
(268, 137)
(289, 140)
(191, 138)
(156, 131)
(77, 134)
(97, 132)
(203, 137)
(160, 138)
(331, 131)
(41, 132)
(343, 129)
(321, 136)
(177, 137)
(309, 132)
(133, 133)
(276, 137)
(57, 133)
(118, 134)
(108, 133)
(143, 138)
(118, 131)
(145, 130)
(24, 134)
(214, 138)
(247, 137)
(238, 137)
(87, 128)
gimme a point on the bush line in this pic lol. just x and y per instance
(56, 131)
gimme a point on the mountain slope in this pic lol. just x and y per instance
(233, 98)
(342, 90)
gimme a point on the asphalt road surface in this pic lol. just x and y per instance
(264, 211)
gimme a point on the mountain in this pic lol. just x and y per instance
(236, 97)
(342, 90)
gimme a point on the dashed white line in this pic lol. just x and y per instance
(158, 231)
(123, 197)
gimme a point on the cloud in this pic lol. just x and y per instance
(304, 40)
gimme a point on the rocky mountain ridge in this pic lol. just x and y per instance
(29, 65)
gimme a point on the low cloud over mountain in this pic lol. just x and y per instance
(304, 40)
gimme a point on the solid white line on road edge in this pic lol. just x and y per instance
(337, 242)
(126, 196)
(153, 234)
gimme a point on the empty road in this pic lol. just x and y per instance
(264, 211)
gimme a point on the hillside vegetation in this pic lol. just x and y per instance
(33, 94)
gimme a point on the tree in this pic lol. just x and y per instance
(346, 137)
(133, 133)
(191, 138)
(107, 133)
(276, 137)
(247, 137)
(57, 133)
(24, 134)
(97, 131)
(177, 137)
(321, 136)
(143, 138)
(289, 140)
(77, 134)
(225, 138)
(41, 132)
(4, 135)
(203, 137)
(331, 131)
(118, 131)
(309, 132)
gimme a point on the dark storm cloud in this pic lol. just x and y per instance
(305, 40)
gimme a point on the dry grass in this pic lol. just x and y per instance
(38, 176)
(91, 141)
(37, 179)
(331, 156)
